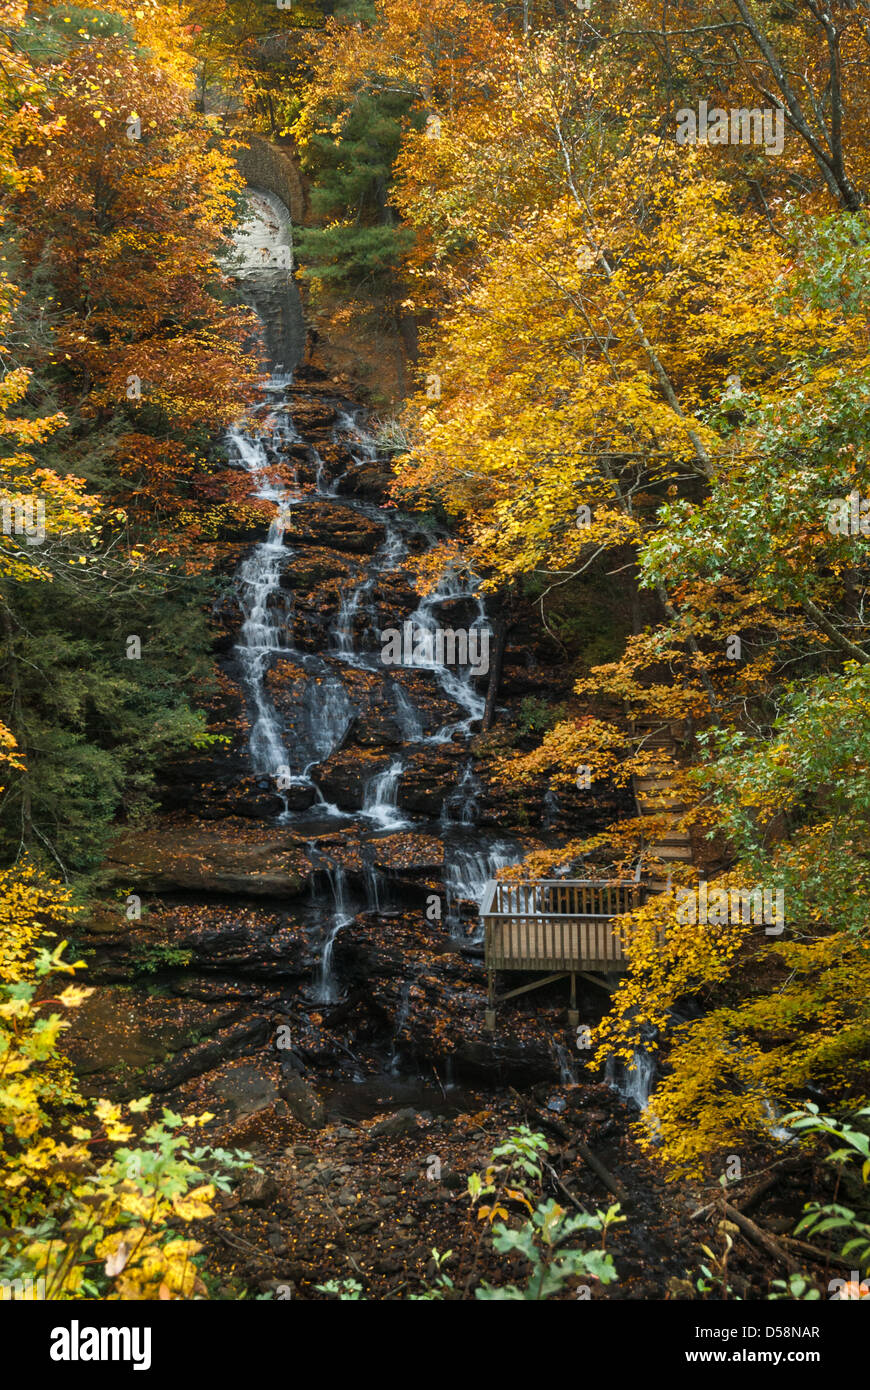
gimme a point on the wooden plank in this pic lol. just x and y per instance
(529, 924)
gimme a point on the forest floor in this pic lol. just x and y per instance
(370, 1201)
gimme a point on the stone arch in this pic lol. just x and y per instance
(264, 165)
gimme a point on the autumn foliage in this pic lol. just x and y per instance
(650, 358)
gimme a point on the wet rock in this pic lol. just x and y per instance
(229, 792)
(246, 1089)
(257, 1189)
(235, 942)
(303, 1102)
(234, 858)
(422, 690)
(336, 457)
(315, 565)
(311, 416)
(344, 777)
(409, 852)
(373, 480)
(429, 777)
(197, 1060)
(227, 617)
(255, 798)
(335, 527)
(393, 595)
(402, 1122)
(459, 612)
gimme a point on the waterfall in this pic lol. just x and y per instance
(566, 1062)
(261, 260)
(348, 432)
(322, 488)
(469, 867)
(357, 599)
(456, 685)
(460, 806)
(288, 742)
(342, 633)
(258, 585)
(326, 990)
(409, 721)
(327, 714)
(380, 797)
(633, 1083)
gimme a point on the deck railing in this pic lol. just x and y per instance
(556, 924)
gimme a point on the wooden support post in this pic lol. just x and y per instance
(489, 1017)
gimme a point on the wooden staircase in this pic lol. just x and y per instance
(653, 796)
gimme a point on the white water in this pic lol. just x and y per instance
(634, 1083)
(460, 806)
(326, 990)
(258, 584)
(470, 865)
(380, 798)
(409, 721)
(457, 685)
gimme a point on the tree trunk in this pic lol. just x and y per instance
(500, 633)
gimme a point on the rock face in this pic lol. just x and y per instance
(263, 165)
(234, 858)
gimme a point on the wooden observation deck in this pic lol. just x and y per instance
(557, 925)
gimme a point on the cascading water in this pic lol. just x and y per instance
(457, 685)
(634, 1083)
(566, 1062)
(291, 748)
(380, 798)
(470, 865)
(402, 1014)
(460, 806)
(358, 599)
(326, 989)
(409, 721)
(342, 632)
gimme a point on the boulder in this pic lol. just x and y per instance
(400, 1123)
(302, 1101)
